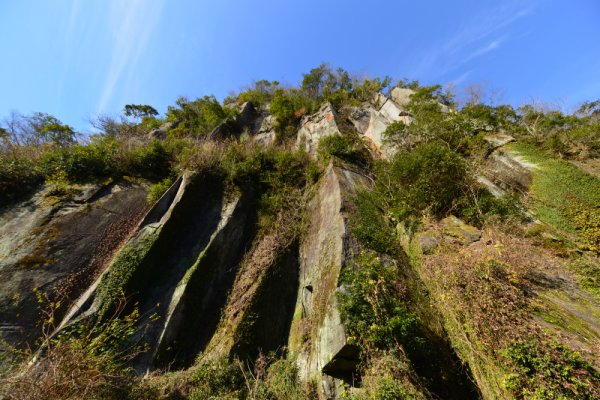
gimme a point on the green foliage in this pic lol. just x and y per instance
(431, 177)
(564, 196)
(347, 147)
(139, 110)
(196, 118)
(373, 305)
(113, 285)
(369, 225)
(550, 372)
(151, 161)
(224, 379)
(18, 176)
(158, 189)
(432, 121)
(260, 94)
(83, 163)
(218, 379)
(288, 106)
(51, 130)
(482, 206)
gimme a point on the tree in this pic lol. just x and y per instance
(50, 130)
(139, 111)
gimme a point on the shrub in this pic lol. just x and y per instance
(431, 177)
(196, 118)
(83, 163)
(287, 107)
(152, 161)
(158, 189)
(18, 176)
(550, 372)
(373, 305)
(370, 226)
(346, 147)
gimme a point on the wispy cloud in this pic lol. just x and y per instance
(480, 35)
(131, 25)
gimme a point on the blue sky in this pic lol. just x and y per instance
(79, 58)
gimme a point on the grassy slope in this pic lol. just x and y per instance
(564, 196)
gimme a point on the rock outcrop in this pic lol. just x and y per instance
(372, 120)
(316, 126)
(58, 247)
(317, 337)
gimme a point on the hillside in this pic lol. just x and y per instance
(343, 239)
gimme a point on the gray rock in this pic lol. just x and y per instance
(401, 96)
(318, 338)
(316, 126)
(498, 140)
(509, 171)
(60, 247)
(458, 229)
(428, 243)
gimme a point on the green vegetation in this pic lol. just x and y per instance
(400, 311)
(549, 372)
(564, 196)
(158, 189)
(374, 305)
(346, 147)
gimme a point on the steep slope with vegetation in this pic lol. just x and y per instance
(346, 239)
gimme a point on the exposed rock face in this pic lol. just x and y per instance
(60, 248)
(456, 228)
(498, 140)
(265, 129)
(187, 248)
(509, 171)
(160, 133)
(372, 120)
(317, 337)
(233, 128)
(401, 96)
(316, 126)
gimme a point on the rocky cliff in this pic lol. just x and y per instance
(212, 280)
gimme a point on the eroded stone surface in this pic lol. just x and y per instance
(318, 338)
(60, 248)
(316, 126)
(458, 229)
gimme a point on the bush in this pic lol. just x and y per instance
(152, 161)
(288, 106)
(158, 189)
(432, 177)
(550, 372)
(345, 147)
(370, 226)
(83, 163)
(18, 176)
(373, 305)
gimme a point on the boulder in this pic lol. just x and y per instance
(498, 140)
(508, 170)
(401, 96)
(458, 229)
(316, 126)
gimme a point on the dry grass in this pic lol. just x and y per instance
(488, 294)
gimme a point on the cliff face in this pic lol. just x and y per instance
(221, 287)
